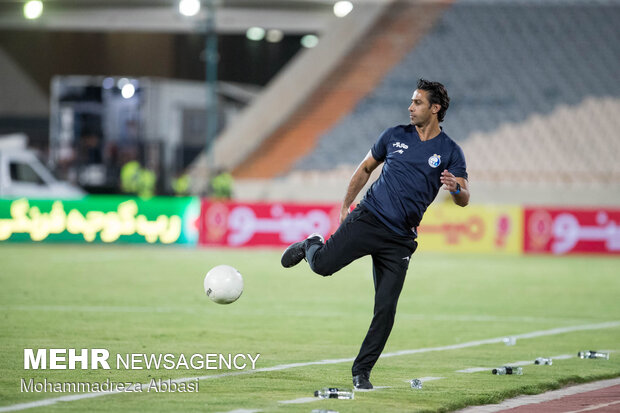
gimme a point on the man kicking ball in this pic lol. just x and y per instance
(419, 158)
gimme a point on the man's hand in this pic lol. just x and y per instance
(450, 181)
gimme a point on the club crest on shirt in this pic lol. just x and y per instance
(434, 161)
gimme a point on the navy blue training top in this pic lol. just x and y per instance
(410, 181)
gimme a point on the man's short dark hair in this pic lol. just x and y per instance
(437, 94)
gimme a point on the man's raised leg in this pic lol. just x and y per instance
(352, 240)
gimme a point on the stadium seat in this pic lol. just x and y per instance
(537, 104)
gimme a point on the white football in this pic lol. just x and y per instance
(223, 284)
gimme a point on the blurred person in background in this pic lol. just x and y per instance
(138, 180)
(181, 184)
(222, 185)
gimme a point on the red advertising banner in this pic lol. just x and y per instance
(572, 231)
(237, 224)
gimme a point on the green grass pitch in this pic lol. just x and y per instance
(130, 299)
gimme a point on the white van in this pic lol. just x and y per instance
(23, 175)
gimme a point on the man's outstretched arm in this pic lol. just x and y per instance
(460, 194)
(357, 182)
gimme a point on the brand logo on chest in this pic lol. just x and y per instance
(434, 161)
(401, 146)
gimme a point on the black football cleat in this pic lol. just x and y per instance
(294, 254)
(361, 382)
(297, 252)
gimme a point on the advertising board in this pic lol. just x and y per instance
(105, 219)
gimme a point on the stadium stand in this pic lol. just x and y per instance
(535, 100)
(357, 73)
(534, 89)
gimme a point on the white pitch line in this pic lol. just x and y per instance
(300, 400)
(425, 379)
(474, 369)
(514, 363)
(375, 388)
(533, 334)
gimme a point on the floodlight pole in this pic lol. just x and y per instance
(211, 58)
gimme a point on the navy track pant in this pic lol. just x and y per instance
(361, 234)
